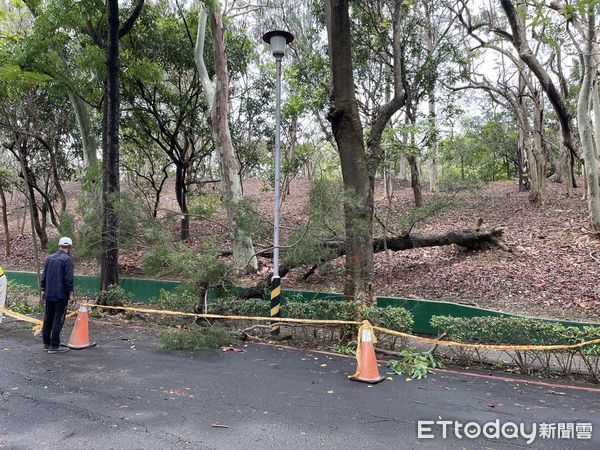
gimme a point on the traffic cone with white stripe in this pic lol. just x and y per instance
(80, 336)
(367, 370)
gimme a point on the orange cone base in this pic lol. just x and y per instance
(370, 381)
(81, 347)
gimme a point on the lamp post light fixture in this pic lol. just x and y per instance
(278, 40)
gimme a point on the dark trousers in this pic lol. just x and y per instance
(53, 322)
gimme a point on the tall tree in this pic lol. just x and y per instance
(359, 164)
(520, 42)
(217, 96)
(110, 139)
(590, 136)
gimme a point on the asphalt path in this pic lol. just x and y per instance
(127, 394)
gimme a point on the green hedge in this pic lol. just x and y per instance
(398, 319)
(525, 331)
(508, 330)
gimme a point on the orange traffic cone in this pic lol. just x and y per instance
(80, 336)
(366, 370)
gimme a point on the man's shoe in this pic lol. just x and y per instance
(58, 349)
(46, 347)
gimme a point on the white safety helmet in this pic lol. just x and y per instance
(65, 242)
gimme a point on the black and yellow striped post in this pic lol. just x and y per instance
(275, 303)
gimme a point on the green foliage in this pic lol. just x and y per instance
(179, 300)
(393, 318)
(415, 365)
(325, 209)
(114, 296)
(482, 152)
(320, 310)
(195, 339)
(18, 293)
(398, 319)
(66, 228)
(344, 349)
(21, 308)
(197, 269)
(524, 331)
(204, 206)
(506, 330)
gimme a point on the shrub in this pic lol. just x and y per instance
(18, 293)
(398, 319)
(232, 307)
(195, 339)
(415, 365)
(523, 331)
(393, 318)
(178, 300)
(114, 296)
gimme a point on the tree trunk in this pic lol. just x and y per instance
(433, 147)
(402, 167)
(5, 222)
(37, 223)
(88, 139)
(181, 196)
(519, 41)
(536, 156)
(243, 249)
(432, 137)
(348, 133)
(523, 145)
(469, 239)
(56, 180)
(590, 157)
(218, 101)
(110, 154)
(414, 180)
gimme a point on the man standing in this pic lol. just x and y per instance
(57, 285)
(3, 285)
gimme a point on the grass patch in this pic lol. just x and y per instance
(195, 339)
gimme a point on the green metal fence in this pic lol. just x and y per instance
(143, 290)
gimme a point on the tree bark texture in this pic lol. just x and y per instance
(3, 205)
(181, 196)
(38, 223)
(348, 133)
(519, 41)
(110, 154)
(243, 249)
(469, 239)
(590, 154)
(218, 100)
(432, 137)
(89, 142)
(537, 157)
(109, 268)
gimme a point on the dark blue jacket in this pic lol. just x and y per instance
(57, 280)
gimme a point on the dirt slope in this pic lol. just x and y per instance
(555, 272)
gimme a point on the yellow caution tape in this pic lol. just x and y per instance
(37, 329)
(348, 322)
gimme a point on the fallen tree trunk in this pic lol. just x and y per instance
(469, 239)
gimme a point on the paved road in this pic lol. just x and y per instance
(126, 394)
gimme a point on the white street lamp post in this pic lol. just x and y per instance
(278, 40)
